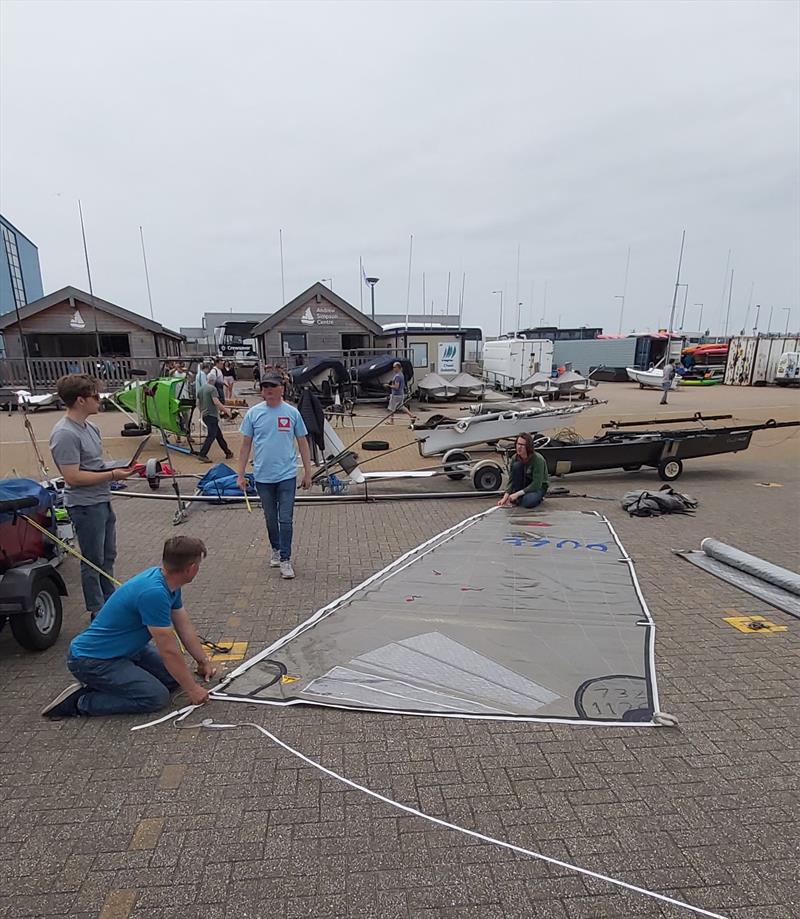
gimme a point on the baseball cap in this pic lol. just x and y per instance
(272, 379)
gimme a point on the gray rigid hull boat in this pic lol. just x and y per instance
(573, 384)
(493, 426)
(468, 386)
(540, 384)
(433, 388)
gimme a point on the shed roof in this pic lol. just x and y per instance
(302, 298)
(59, 296)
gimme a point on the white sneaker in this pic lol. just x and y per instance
(286, 569)
(275, 558)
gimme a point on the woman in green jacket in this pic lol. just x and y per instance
(529, 478)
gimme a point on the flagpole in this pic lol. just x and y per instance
(408, 286)
(283, 287)
(89, 276)
(146, 273)
(361, 284)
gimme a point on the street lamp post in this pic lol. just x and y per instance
(372, 282)
(501, 309)
(329, 280)
(519, 311)
(788, 311)
(769, 321)
(755, 324)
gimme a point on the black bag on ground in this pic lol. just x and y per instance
(644, 503)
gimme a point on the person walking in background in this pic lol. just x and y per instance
(272, 429)
(216, 379)
(666, 382)
(209, 406)
(77, 450)
(397, 393)
(228, 379)
(529, 479)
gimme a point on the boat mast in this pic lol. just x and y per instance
(674, 300)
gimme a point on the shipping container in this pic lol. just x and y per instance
(753, 361)
(638, 351)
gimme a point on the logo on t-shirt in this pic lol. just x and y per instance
(284, 423)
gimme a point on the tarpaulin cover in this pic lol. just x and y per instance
(777, 586)
(14, 489)
(509, 614)
(220, 481)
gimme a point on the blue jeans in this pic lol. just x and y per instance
(96, 529)
(123, 685)
(277, 500)
(532, 499)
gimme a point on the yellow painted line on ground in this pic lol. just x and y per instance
(238, 650)
(742, 624)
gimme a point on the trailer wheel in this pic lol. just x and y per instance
(632, 467)
(39, 629)
(670, 469)
(375, 445)
(487, 478)
(641, 386)
(452, 458)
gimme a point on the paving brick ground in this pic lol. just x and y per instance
(96, 821)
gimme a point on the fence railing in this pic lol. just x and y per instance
(46, 371)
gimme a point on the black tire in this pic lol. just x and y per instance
(487, 478)
(641, 386)
(455, 456)
(3, 622)
(632, 467)
(375, 445)
(135, 431)
(39, 629)
(669, 469)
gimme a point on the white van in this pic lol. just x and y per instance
(788, 369)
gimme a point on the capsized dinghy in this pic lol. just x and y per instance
(540, 384)
(491, 427)
(433, 388)
(468, 386)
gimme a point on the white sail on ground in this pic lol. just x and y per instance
(510, 614)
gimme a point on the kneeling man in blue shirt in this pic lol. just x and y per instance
(119, 669)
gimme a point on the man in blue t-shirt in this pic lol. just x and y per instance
(271, 429)
(118, 669)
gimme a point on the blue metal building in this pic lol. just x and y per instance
(20, 274)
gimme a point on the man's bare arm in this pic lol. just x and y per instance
(167, 644)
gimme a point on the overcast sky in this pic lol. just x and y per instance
(573, 130)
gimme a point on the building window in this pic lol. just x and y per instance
(14, 270)
(419, 353)
(292, 342)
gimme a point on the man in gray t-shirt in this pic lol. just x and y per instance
(77, 450)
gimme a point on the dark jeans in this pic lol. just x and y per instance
(140, 683)
(214, 433)
(532, 499)
(95, 527)
(277, 500)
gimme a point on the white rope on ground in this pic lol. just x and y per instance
(209, 724)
